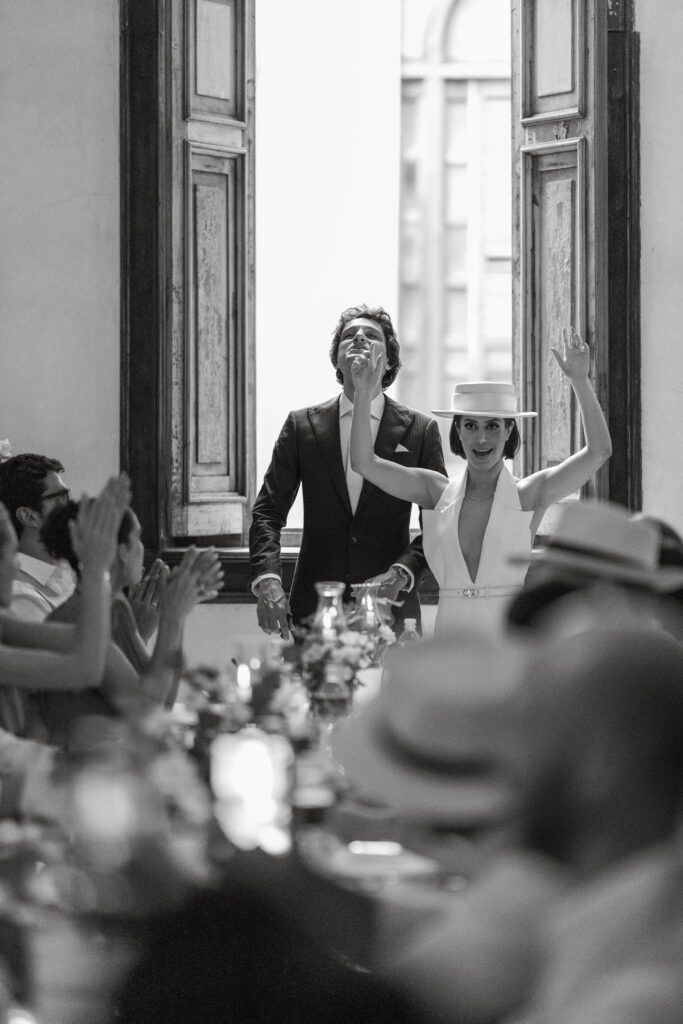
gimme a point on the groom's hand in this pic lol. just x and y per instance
(390, 583)
(272, 608)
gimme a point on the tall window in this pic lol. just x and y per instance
(455, 277)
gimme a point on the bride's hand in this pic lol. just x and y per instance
(575, 359)
(366, 370)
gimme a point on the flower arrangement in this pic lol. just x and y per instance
(349, 649)
(208, 691)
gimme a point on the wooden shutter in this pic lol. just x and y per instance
(559, 111)
(188, 417)
(211, 267)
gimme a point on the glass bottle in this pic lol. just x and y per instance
(409, 634)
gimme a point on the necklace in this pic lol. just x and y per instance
(487, 497)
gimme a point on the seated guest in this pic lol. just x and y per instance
(154, 677)
(243, 955)
(30, 488)
(438, 744)
(669, 603)
(597, 543)
(603, 798)
(39, 655)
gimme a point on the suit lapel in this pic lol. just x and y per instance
(395, 421)
(324, 420)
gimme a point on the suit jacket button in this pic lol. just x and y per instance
(354, 540)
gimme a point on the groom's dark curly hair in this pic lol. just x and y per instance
(381, 317)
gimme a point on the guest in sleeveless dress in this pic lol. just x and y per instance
(476, 522)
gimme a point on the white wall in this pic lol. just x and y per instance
(661, 29)
(327, 189)
(59, 211)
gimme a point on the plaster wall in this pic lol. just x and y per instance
(59, 210)
(661, 31)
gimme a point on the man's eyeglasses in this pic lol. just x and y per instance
(64, 494)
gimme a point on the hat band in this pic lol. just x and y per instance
(467, 404)
(622, 561)
(390, 745)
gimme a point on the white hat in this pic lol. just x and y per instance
(439, 739)
(484, 398)
(602, 539)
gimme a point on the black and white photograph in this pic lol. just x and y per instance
(341, 521)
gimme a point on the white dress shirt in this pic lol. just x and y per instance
(354, 481)
(39, 587)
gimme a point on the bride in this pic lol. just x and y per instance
(474, 523)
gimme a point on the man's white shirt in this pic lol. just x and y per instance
(354, 481)
(39, 587)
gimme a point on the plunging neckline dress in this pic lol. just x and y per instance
(477, 606)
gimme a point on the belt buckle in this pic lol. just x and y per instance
(471, 592)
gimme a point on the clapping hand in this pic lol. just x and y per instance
(197, 578)
(95, 528)
(575, 358)
(208, 567)
(145, 596)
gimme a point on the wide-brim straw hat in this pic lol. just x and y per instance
(438, 741)
(484, 398)
(602, 540)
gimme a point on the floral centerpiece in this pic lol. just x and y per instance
(348, 651)
(337, 642)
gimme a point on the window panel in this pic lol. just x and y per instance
(455, 253)
(456, 200)
(455, 128)
(455, 318)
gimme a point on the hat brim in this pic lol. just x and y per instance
(662, 580)
(452, 799)
(497, 414)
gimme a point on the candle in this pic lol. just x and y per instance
(244, 682)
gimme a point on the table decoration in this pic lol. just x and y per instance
(338, 642)
(127, 839)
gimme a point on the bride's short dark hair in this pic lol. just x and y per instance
(511, 445)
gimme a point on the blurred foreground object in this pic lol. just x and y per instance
(603, 796)
(437, 741)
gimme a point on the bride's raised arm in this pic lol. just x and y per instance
(423, 486)
(542, 489)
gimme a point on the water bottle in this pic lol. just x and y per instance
(409, 633)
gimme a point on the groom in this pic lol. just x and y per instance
(352, 530)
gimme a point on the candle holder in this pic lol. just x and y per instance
(329, 617)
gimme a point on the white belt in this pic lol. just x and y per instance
(479, 591)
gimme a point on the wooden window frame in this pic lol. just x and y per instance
(150, 381)
(145, 88)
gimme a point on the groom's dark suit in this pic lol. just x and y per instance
(336, 543)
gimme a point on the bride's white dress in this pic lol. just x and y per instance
(477, 606)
